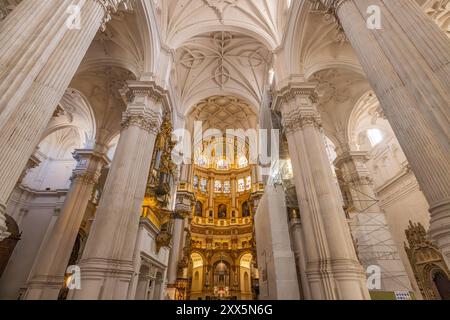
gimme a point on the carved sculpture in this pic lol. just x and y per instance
(426, 261)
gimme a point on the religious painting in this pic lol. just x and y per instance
(198, 209)
(222, 213)
(245, 209)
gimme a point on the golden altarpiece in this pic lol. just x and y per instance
(219, 256)
(160, 182)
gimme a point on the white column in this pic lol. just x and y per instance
(40, 59)
(48, 272)
(410, 78)
(107, 262)
(333, 269)
(295, 227)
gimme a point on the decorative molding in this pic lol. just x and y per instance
(147, 120)
(220, 6)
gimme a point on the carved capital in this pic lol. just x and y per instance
(147, 120)
(298, 106)
(3, 228)
(86, 177)
(89, 165)
(110, 7)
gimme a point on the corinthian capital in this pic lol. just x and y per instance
(298, 106)
(111, 7)
(146, 104)
(146, 119)
(331, 5)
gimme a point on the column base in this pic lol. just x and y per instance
(3, 228)
(342, 279)
(440, 228)
(44, 288)
(104, 279)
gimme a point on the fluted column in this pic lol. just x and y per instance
(332, 269)
(410, 78)
(368, 224)
(38, 58)
(107, 262)
(48, 272)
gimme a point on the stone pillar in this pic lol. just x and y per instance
(333, 269)
(410, 77)
(295, 227)
(48, 272)
(373, 239)
(39, 57)
(107, 262)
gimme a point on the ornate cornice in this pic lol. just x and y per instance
(150, 90)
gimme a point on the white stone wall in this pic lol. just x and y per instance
(36, 213)
(276, 262)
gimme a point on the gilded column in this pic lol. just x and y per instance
(48, 272)
(410, 78)
(107, 262)
(38, 58)
(332, 268)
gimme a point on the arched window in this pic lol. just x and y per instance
(226, 186)
(375, 136)
(248, 183)
(223, 164)
(203, 184)
(195, 182)
(241, 185)
(218, 186)
(242, 162)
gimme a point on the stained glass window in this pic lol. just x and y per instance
(243, 162)
(203, 184)
(226, 186)
(223, 164)
(241, 185)
(248, 183)
(218, 186)
(195, 182)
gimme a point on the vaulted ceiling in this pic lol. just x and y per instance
(224, 112)
(182, 19)
(221, 63)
